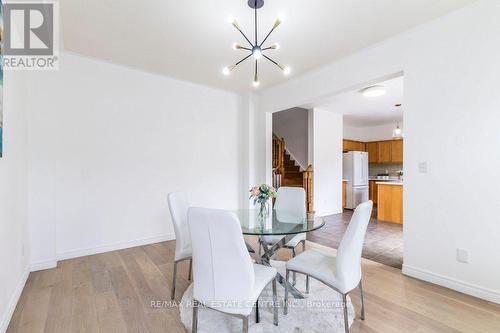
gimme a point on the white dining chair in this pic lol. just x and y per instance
(291, 200)
(178, 204)
(341, 272)
(225, 279)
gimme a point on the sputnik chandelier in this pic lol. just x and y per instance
(255, 49)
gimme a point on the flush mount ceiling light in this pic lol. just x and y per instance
(255, 49)
(373, 91)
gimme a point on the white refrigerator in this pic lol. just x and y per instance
(355, 164)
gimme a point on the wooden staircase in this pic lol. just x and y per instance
(292, 175)
(287, 173)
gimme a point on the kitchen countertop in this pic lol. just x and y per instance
(397, 183)
(391, 179)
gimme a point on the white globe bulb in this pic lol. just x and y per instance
(255, 83)
(257, 53)
(226, 71)
(287, 70)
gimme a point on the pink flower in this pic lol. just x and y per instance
(254, 191)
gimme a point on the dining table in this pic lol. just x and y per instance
(283, 226)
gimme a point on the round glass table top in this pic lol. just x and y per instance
(277, 222)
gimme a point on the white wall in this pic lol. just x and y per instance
(371, 133)
(106, 145)
(14, 239)
(327, 161)
(451, 117)
(292, 125)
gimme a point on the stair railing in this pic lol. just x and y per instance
(307, 183)
(278, 160)
(279, 172)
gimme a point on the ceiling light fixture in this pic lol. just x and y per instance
(398, 132)
(373, 91)
(256, 49)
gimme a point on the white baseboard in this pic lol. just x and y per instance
(460, 286)
(42, 265)
(99, 249)
(328, 213)
(114, 247)
(4, 323)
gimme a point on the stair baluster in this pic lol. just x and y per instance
(286, 173)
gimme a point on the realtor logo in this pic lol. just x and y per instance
(30, 36)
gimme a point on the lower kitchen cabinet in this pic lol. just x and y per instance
(372, 191)
(390, 203)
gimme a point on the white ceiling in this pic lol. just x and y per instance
(191, 39)
(360, 111)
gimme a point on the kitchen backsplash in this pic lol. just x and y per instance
(375, 169)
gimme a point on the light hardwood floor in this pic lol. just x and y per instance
(112, 292)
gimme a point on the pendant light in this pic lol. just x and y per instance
(397, 133)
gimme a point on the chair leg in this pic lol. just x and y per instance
(275, 303)
(346, 318)
(190, 275)
(294, 275)
(249, 248)
(194, 328)
(285, 306)
(307, 276)
(173, 282)
(245, 325)
(362, 301)
(257, 317)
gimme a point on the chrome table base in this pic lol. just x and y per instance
(265, 258)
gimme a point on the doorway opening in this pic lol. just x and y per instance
(292, 166)
(372, 146)
(369, 143)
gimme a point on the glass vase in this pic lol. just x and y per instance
(264, 210)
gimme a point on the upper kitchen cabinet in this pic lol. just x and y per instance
(372, 149)
(384, 152)
(397, 151)
(388, 151)
(351, 145)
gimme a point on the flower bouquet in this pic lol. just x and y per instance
(261, 194)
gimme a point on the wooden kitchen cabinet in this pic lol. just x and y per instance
(390, 203)
(388, 151)
(372, 191)
(397, 151)
(351, 145)
(346, 145)
(384, 152)
(372, 149)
